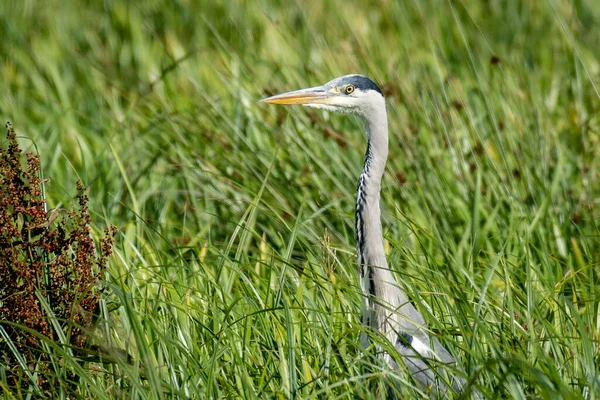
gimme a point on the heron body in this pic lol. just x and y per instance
(385, 305)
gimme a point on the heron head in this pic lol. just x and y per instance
(354, 94)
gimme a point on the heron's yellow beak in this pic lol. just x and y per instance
(316, 95)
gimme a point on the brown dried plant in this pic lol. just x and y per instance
(48, 256)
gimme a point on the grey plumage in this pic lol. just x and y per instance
(385, 306)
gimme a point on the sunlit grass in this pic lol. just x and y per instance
(234, 273)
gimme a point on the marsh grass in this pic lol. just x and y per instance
(234, 272)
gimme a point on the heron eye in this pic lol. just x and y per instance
(349, 89)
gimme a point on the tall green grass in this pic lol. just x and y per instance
(234, 274)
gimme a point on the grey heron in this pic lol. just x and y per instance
(386, 307)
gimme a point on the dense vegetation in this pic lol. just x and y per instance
(50, 271)
(233, 272)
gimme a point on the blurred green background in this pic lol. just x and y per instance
(234, 273)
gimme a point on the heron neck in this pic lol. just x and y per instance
(369, 235)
